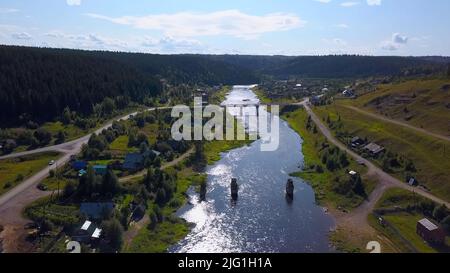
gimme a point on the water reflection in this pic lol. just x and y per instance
(262, 219)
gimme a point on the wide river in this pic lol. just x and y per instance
(262, 220)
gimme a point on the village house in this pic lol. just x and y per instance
(96, 211)
(135, 161)
(374, 149)
(100, 169)
(88, 232)
(430, 232)
(79, 165)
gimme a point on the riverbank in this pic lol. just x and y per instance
(326, 183)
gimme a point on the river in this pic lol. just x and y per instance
(262, 219)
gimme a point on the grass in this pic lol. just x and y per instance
(72, 131)
(398, 197)
(58, 214)
(52, 183)
(425, 101)
(14, 171)
(213, 149)
(158, 240)
(219, 96)
(429, 155)
(323, 182)
(404, 222)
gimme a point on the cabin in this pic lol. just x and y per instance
(133, 162)
(374, 149)
(317, 99)
(357, 142)
(348, 93)
(87, 232)
(79, 165)
(96, 211)
(100, 169)
(430, 232)
(412, 182)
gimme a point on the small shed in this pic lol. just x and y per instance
(100, 169)
(430, 232)
(374, 149)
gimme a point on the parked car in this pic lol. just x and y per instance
(42, 187)
(52, 162)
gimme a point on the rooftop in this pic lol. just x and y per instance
(428, 224)
(86, 225)
(97, 233)
(374, 148)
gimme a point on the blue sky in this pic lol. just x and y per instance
(288, 27)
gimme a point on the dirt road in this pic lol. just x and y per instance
(397, 122)
(355, 224)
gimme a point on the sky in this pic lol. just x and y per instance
(261, 27)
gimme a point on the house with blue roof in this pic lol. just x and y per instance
(79, 165)
(133, 162)
(100, 169)
(96, 211)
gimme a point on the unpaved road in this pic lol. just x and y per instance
(384, 178)
(164, 166)
(355, 223)
(397, 122)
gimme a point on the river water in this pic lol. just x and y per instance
(262, 219)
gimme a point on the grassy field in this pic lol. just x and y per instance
(72, 131)
(404, 222)
(323, 182)
(431, 157)
(14, 171)
(421, 103)
(219, 96)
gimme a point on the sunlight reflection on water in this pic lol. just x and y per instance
(261, 220)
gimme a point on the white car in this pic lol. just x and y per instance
(52, 162)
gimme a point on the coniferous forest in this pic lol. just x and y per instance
(39, 83)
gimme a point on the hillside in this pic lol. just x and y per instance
(421, 103)
(352, 66)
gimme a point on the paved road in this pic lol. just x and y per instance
(71, 145)
(397, 122)
(385, 179)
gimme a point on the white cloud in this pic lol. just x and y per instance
(73, 2)
(399, 39)
(396, 42)
(349, 4)
(374, 2)
(323, 1)
(227, 22)
(21, 36)
(8, 10)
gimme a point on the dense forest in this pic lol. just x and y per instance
(39, 83)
